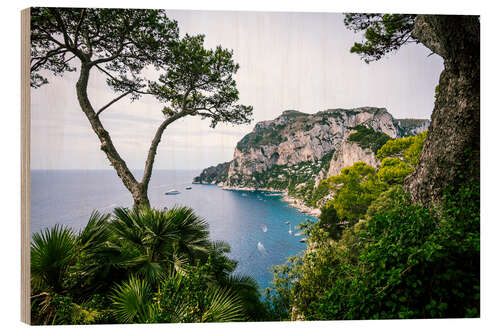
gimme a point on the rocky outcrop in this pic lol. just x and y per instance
(295, 151)
(296, 137)
(450, 153)
(213, 175)
(348, 154)
(411, 127)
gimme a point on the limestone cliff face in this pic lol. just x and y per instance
(297, 150)
(348, 154)
(296, 137)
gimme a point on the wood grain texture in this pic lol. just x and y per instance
(25, 166)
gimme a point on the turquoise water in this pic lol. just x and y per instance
(252, 222)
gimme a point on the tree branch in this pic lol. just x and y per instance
(78, 27)
(120, 81)
(111, 102)
(154, 146)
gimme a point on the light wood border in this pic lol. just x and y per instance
(25, 166)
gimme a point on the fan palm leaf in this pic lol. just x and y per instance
(223, 305)
(152, 242)
(133, 301)
(96, 232)
(52, 252)
(192, 230)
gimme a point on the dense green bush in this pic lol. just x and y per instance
(122, 268)
(406, 261)
(366, 137)
(406, 149)
(393, 171)
(355, 188)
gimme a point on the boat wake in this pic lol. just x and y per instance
(261, 248)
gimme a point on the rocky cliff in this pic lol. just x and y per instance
(213, 175)
(295, 151)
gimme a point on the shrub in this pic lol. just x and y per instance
(407, 261)
(393, 171)
(366, 137)
(355, 188)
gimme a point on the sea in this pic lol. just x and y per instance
(254, 223)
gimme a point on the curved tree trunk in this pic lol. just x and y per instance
(138, 191)
(452, 145)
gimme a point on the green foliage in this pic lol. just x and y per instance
(320, 192)
(393, 171)
(366, 138)
(407, 149)
(329, 220)
(386, 199)
(115, 269)
(199, 81)
(406, 261)
(125, 40)
(383, 33)
(52, 253)
(399, 158)
(355, 188)
(133, 301)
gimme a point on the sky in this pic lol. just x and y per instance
(297, 61)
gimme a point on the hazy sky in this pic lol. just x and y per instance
(295, 61)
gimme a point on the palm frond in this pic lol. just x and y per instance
(52, 251)
(132, 301)
(96, 232)
(224, 305)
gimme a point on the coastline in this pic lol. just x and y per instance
(299, 205)
(295, 203)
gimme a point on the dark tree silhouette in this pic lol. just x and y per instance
(120, 44)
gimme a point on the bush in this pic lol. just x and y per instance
(406, 149)
(407, 261)
(393, 171)
(366, 137)
(355, 188)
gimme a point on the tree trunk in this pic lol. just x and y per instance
(148, 168)
(451, 150)
(138, 191)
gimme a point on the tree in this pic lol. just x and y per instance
(454, 130)
(355, 188)
(120, 44)
(384, 33)
(329, 220)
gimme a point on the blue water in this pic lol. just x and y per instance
(253, 223)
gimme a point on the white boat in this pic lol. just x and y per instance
(188, 188)
(290, 229)
(172, 192)
(303, 240)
